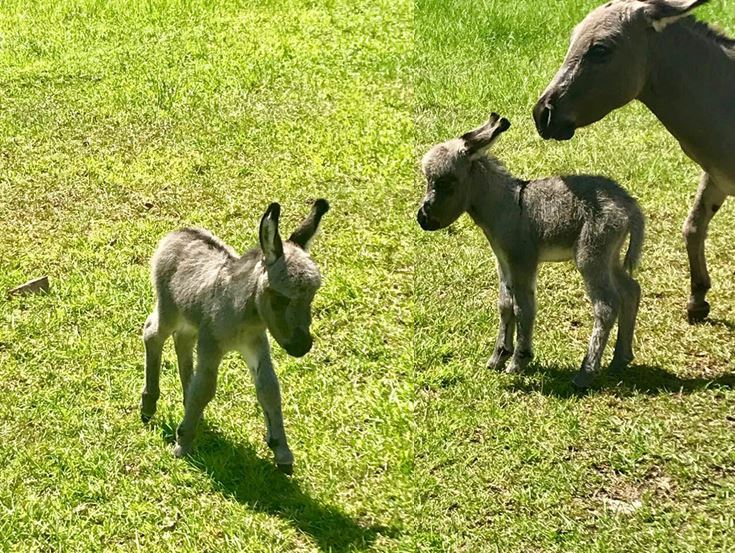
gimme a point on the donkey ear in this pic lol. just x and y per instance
(308, 229)
(270, 240)
(479, 139)
(661, 13)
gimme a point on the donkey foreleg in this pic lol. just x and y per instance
(524, 311)
(200, 392)
(258, 358)
(708, 200)
(506, 327)
(184, 343)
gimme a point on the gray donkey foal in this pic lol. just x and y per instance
(584, 218)
(208, 295)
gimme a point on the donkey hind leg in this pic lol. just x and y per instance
(708, 200)
(630, 296)
(200, 392)
(258, 358)
(524, 310)
(606, 304)
(184, 343)
(155, 332)
(506, 326)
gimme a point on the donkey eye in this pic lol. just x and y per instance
(599, 53)
(444, 185)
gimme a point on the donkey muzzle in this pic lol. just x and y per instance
(425, 220)
(549, 124)
(299, 344)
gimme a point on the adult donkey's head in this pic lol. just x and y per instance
(606, 65)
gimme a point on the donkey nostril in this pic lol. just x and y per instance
(542, 115)
(548, 108)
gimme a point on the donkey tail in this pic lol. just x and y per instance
(637, 232)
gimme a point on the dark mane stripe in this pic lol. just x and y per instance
(208, 239)
(710, 32)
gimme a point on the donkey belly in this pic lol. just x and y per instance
(556, 253)
(725, 182)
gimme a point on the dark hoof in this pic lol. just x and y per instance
(697, 313)
(619, 365)
(145, 417)
(583, 379)
(285, 469)
(498, 359)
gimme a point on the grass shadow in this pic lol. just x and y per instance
(719, 322)
(637, 379)
(238, 472)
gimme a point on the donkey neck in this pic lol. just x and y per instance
(242, 276)
(494, 194)
(691, 90)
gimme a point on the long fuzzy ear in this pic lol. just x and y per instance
(664, 12)
(270, 239)
(481, 138)
(310, 226)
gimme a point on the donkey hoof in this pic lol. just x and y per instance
(285, 468)
(181, 450)
(583, 379)
(618, 365)
(498, 359)
(697, 313)
(147, 407)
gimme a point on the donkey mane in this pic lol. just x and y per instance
(708, 31)
(493, 165)
(202, 235)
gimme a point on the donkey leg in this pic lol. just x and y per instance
(630, 296)
(184, 343)
(506, 327)
(258, 358)
(606, 305)
(708, 200)
(524, 311)
(200, 392)
(154, 336)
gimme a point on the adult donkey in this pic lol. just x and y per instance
(683, 70)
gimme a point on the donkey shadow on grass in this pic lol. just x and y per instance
(556, 381)
(238, 472)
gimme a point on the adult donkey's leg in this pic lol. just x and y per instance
(506, 327)
(708, 200)
(257, 355)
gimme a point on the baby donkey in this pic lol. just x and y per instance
(209, 295)
(584, 218)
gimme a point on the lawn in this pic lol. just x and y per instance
(123, 120)
(644, 462)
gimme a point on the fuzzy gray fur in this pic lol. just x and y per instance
(210, 296)
(580, 218)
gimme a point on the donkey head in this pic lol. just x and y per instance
(606, 65)
(290, 279)
(447, 169)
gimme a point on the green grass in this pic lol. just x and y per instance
(120, 121)
(523, 463)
